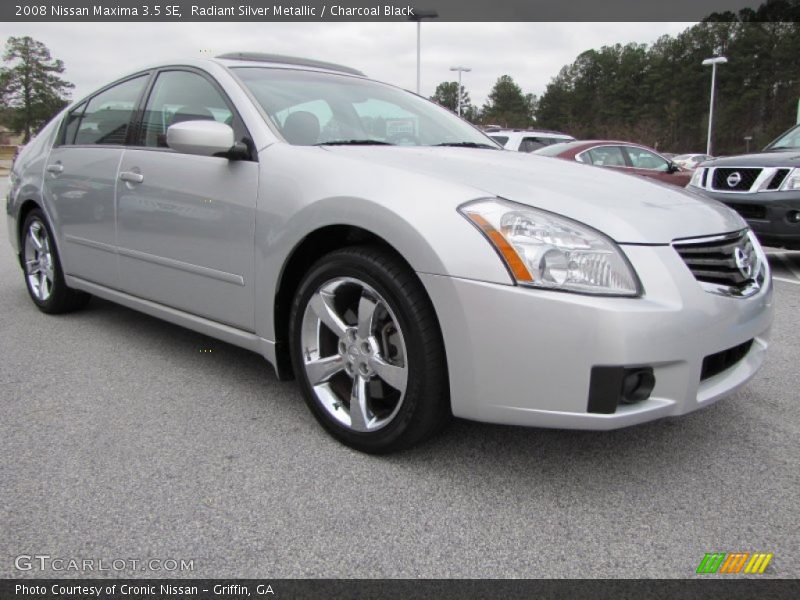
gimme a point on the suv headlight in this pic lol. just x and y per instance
(548, 251)
(792, 181)
(697, 177)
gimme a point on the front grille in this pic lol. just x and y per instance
(714, 364)
(749, 211)
(734, 180)
(777, 179)
(715, 260)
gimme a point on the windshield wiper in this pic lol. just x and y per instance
(468, 145)
(355, 143)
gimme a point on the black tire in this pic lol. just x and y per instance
(62, 299)
(425, 408)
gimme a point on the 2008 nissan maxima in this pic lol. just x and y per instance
(387, 254)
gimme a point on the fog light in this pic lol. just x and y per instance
(611, 386)
(793, 216)
(637, 385)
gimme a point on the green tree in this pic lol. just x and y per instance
(446, 95)
(659, 94)
(31, 89)
(508, 105)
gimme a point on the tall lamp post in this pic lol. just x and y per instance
(460, 70)
(717, 60)
(419, 16)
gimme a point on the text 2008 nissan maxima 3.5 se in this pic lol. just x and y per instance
(387, 254)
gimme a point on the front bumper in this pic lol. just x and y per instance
(767, 213)
(521, 356)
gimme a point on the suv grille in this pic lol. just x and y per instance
(714, 364)
(734, 180)
(715, 260)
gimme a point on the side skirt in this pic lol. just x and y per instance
(225, 333)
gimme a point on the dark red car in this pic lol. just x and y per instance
(624, 156)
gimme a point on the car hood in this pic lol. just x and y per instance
(629, 209)
(778, 158)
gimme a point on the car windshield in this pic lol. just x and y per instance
(788, 141)
(314, 108)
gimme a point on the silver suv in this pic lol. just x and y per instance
(386, 253)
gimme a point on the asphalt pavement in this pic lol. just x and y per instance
(124, 437)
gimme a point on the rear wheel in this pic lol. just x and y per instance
(44, 277)
(367, 351)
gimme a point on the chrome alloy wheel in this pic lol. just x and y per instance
(38, 258)
(354, 354)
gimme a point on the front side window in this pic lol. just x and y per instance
(607, 156)
(179, 96)
(644, 159)
(108, 114)
(310, 107)
(500, 139)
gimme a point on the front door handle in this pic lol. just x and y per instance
(55, 169)
(131, 177)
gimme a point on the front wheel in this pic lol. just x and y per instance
(367, 350)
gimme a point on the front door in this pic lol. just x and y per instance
(186, 223)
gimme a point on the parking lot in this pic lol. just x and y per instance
(125, 437)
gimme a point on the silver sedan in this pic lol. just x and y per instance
(389, 256)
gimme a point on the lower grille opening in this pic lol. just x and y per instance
(714, 364)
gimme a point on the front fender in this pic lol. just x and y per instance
(415, 214)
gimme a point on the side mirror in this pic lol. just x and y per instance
(672, 167)
(205, 138)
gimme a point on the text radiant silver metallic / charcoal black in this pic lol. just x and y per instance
(391, 257)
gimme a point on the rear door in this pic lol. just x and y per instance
(80, 180)
(186, 223)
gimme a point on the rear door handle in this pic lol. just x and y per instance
(131, 177)
(55, 169)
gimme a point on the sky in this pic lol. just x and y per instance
(532, 53)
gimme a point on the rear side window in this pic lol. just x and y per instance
(179, 96)
(529, 144)
(108, 114)
(607, 156)
(72, 122)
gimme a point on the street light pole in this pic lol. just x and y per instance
(717, 60)
(460, 70)
(418, 16)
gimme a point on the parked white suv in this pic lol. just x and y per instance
(527, 140)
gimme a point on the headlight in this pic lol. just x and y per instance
(697, 177)
(548, 251)
(792, 181)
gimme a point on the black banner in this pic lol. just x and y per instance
(399, 589)
(394, 10)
